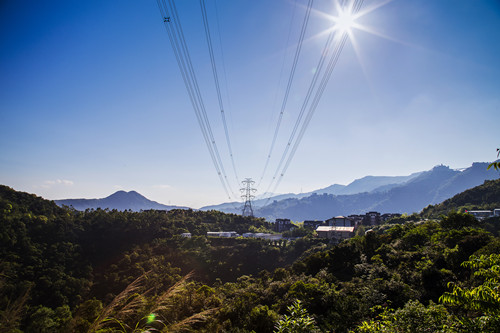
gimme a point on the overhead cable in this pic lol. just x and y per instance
(177, 40)
(338, 46)
(217, 84)
(289, 83)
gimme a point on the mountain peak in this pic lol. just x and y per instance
(120, 200)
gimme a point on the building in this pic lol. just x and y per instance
(312, 224)
(339, 221)
(227, 234)
(372, 218)
(335, 233)
(483, 214)
(356, 220)
(282, 225)
(262, 235)
(186, 235)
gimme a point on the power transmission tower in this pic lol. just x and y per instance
(247, 191)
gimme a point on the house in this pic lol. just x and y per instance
(336, 233)
(483, 214)
(262, 235)
(372, 218)
(227, 234)
(339, 221)
(312, 224)
(355, 219)
(186, 234)
(282, 225)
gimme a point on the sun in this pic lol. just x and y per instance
(345, 20)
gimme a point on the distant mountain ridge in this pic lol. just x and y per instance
(120, 200)
(365, 184)
(401, 194)
(429, 187)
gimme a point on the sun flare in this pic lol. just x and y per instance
(344, 21)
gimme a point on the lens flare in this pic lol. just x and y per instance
(151, 318)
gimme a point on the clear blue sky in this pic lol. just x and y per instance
(92, 100)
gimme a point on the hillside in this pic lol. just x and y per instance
(485, 196)
(120, 200)
(70, 271)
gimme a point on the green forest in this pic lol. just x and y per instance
(63, 270)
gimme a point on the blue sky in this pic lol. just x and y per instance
(92, 100)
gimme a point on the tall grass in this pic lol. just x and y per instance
(135, 310)
(12, 314)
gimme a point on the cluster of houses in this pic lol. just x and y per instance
(336, 229)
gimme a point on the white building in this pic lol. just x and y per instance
(483, 214)
(335, 232)
(227, 234)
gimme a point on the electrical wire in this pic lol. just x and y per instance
(217, 84)
(339, 44)
(177, 40)
(289, 84)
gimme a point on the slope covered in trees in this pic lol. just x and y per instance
(111, 271)
(485, 196)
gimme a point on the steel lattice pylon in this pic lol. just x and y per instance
(247, 195)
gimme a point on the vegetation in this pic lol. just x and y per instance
(495, 165)
(486, 196)
(110, 271)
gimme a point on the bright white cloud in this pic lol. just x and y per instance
(52, 183)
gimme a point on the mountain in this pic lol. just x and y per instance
(365, 184)
(429, 187)
(120, 200)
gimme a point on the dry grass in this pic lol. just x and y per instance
(125, 303)
(131, 302)
(11, 316)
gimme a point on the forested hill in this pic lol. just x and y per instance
(485, 196)
(63, 270)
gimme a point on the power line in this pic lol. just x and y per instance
(289, 84)
(177, 40)
(331, 52)
(217, 85)
(339, 44)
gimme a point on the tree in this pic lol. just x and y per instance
(456, 220)
(481, 304)
(414, 317)
(299, 320)
(495, 165)
(484, 298)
